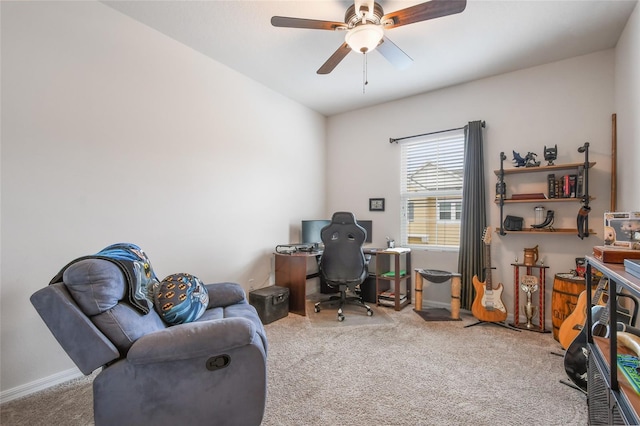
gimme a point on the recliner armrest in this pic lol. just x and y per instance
(191, 340)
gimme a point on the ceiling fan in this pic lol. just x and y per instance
(365, 24)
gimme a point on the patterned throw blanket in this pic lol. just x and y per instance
(136, 267)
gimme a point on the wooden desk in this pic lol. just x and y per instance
(291, 272)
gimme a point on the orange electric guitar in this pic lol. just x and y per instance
(488, 305)
(573, 324)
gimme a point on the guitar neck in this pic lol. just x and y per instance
(599, 290)
(487, 267)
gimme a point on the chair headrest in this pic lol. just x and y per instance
(343, 218)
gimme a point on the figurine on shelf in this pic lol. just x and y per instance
(550, 154)
(518, 161)
(530, 160)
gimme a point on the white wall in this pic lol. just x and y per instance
(627, 101)
(565, 103)
(113, 132)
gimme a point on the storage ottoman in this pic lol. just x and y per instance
(272, 303)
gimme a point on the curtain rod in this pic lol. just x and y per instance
(392, 140)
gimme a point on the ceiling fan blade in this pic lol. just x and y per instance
(313, 24)
(422, 12)
(394, 54)
(335, 59)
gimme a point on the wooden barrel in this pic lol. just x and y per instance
(566, 289)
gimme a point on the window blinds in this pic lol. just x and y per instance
(431, 189)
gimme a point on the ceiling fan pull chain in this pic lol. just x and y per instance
(365, 79)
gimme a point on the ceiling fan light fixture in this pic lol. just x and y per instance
(364, 38)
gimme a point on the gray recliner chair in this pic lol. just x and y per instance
(343, 263)
(208, 372)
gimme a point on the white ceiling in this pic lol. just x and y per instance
(488, 38)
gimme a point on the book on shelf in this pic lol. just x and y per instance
(565, 186)
(386, 302)
(551, 185)
(572, 186)
(388, 298)
(580, 182)
(531, 196)
(390, 295)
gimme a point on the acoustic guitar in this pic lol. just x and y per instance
(576, 356)
(488, 305)
(572, 325)
(601, 326)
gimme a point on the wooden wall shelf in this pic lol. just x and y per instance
(580, 170)
(555, 167)
(542, 200)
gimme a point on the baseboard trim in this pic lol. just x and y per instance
(40, 384)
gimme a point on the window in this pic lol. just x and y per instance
(431, 189)
(449, 210)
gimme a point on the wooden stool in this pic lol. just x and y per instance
(436, 276)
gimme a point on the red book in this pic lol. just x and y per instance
(566, 186)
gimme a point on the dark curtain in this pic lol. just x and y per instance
(474, 213)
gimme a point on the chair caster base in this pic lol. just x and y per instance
(344, 301)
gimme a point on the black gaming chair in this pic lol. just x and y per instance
(343, 263)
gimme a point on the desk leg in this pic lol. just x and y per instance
(291, 272)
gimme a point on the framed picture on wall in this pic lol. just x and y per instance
(376, 204)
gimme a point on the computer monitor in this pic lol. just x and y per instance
(368, 226)
(311, 230)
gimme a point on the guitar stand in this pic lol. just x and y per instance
(501, 324)
(571, 385)
(564, 382)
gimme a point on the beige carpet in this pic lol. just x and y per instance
(353, 315)
(405, 372)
